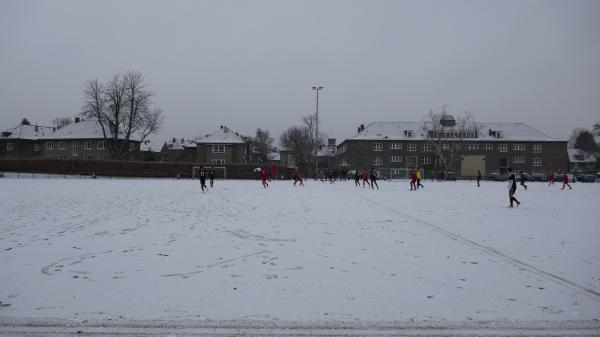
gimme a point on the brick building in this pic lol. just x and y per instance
(395, 146)
(24, 141)
(222, 147)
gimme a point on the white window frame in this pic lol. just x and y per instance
(49, 146)
(409, 133)
(377, 147)
(291, 160)
(536, 148)
(537, 162)
(519, 160)
(395, 146)
(445, 147)
(62, 146)
(88, 157)
(101, 157)
(426, 147)
(87, 145)
(62, 156)
(75, 149)
(218, 149)
(411, 148)
(455, 146)
(489, 147)
(377, 161)
(218, 161)
(518, 147)
(395, 159)
(10, 147)
(36, 147)
(502, 147)
(472, 147)
(426, 160)
(101, 145)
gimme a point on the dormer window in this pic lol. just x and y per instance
(409, 133)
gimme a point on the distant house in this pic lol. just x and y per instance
(24, 141)
(174, 149)
(580, 160)
(396, 146)
(81, 140)
(221, 147)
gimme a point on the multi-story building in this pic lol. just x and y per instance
(81, 140)
(222, 147)
(23, 141)
(390, 146)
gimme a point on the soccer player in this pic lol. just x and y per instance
(211, 176)
(522, 178)
(263, 177)
(297, 178)
(365, 178)
(419, 179)
(356, 178)
(202, 176)
(373, 177)
(478, 177)
(551, 178)
(512, 188)
(413, 180)
(566, 181)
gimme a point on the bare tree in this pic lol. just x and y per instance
(574, 135)
(299, 141)
(446, 135)
(263, 144)
(124, 109)
(60, 122)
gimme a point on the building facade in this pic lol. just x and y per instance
(222, 147)
(489, 147)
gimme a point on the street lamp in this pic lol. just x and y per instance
(317, 89)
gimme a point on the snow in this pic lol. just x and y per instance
(149, 249)
(24, 131)
(223, 135)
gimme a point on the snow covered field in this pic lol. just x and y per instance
(123, 250)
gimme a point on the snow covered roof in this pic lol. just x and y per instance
(326, 151)
(222, 136)
(180, 143)
(24, 131)
(488, 132)
(85, 129)
(273, 156)
(579, 156)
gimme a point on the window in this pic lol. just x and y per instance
(75, 149)
(61, 146)
(101, 157)
(87, 145)
(132, 146)
(518, 147)
(377, 161)
(88, 157)
(218, 161)
(291, 160)
(409, 133)
(502, 148)
(519, 160)
(489, 147)
(36, 147)
(426, 147)
(342, 149)
(455, 146)
(537, 148)
(395, 159)
(62, 156)
(426, 160)
(472, 147)
(445, 147)
(218, 148)
(10, 155)
(49, 146)
(396, 146)
(377, 147)
(411, 148)
(396, 171)
(102, 145)
(9, 147)
(536, 162)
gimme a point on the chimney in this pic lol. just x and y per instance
(221, 126)
(181, 140)
(174, 140)
(77, 120)
(36, 128)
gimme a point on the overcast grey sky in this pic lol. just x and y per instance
(250, 64)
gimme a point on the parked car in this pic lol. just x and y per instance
(539, 176)
(585, 177)
(450, 175)
(497, 176)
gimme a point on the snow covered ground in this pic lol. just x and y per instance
(122, 250)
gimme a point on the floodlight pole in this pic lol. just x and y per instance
(317, 89)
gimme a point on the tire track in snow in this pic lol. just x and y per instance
(496, 253)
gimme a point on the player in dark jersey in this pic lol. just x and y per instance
(512, 188)
(202, 176)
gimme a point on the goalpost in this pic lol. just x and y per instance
(220, 171)
(403, 173)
